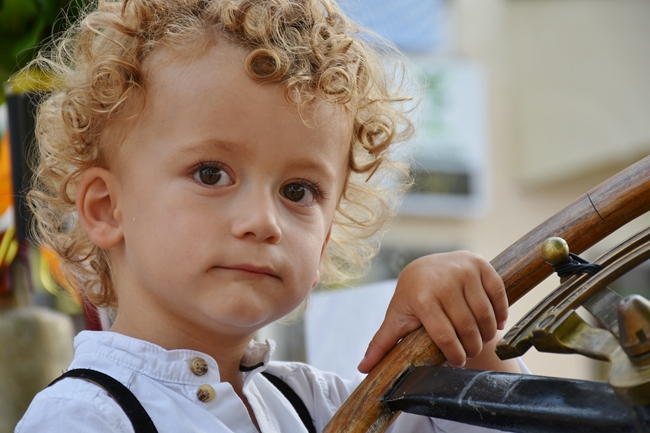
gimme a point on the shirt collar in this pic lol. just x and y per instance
(162, 364)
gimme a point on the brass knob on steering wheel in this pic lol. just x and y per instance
(555, 251)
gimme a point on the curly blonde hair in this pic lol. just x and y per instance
(308, 45)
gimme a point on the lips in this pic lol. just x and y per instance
(253, 270)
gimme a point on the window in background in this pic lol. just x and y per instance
(450, 164)
(450, 160)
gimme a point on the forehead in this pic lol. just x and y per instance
(209, 95)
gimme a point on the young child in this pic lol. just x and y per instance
(203, 165)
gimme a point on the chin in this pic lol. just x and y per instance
(246, 323)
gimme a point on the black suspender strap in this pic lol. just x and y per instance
(293, 398)
(138, 415)
(128, 402)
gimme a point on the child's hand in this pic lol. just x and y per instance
(458, 297)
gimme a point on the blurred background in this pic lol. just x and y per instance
(526, 105)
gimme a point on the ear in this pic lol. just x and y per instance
(322, 255)
(97, 207)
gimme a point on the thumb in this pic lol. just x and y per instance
(393, 329)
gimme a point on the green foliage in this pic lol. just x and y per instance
(24, 25)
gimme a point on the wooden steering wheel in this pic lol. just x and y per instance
(583, 223)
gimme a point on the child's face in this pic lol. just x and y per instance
(226, 198)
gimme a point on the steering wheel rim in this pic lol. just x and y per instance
(583, 223)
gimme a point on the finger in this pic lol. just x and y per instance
(467, 329)
(482, 310)
(393, 329)
(451, 324)
(496, 292)
(442, 332)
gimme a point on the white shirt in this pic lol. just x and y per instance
(166, 386)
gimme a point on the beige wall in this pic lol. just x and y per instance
(529, 178)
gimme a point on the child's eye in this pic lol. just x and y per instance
(212, 175)
(299, 193)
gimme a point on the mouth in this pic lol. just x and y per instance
(252, 270)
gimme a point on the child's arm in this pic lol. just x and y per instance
(460, 300)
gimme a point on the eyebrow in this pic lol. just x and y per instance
(312, 165)
(199, 146)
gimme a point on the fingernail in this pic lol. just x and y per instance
(502, 325)
(364, 358)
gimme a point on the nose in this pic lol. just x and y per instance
(257, 217)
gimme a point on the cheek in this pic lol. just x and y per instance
(306, 259)
(156, 224)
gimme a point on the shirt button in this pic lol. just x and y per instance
(205, 393)
(199, 366)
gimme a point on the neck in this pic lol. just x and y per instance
(227, 350)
